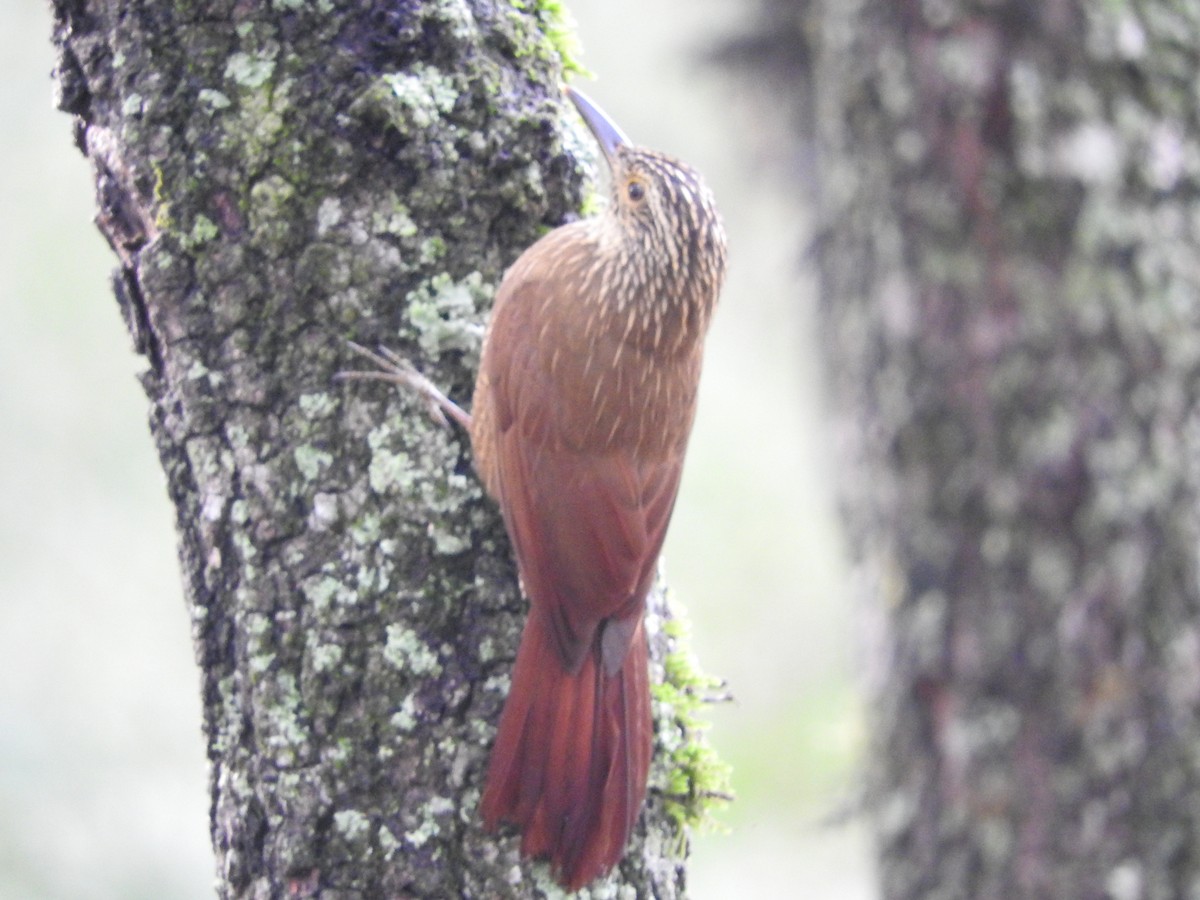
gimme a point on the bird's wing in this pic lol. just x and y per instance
(587, 525)
(587, 530)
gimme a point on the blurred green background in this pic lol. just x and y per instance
(102, 774)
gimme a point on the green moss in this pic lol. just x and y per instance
(697, 778)
(558, 29)
(594, 202)
(162, 214)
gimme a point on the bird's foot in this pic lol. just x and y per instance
(397, 370)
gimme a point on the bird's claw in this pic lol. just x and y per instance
(394, 368)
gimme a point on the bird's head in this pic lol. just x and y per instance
(662, 206)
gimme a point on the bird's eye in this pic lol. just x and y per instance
(636, 191)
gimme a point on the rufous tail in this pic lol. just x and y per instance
(571, 755)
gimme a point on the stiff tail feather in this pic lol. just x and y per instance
(571, 755)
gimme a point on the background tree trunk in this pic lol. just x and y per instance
(275, 178)
(1011, 297)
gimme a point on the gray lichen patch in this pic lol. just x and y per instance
(449, 315)
(252, 125)
(390, 470)
(203, 230)
(431, 818)
(250, 71)
(311, 461)
(388, 842)
(214, 98)
(423, 476)
(406, 651)
(325, 657)
(272, 209)
(284, 735)
(404, 719)
(351, 824)
(449, 541)
(325, 591)
(413, 100)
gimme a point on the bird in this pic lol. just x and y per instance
(580, 418)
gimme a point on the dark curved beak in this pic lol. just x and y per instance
(608, 135)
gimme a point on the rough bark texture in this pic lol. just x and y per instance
(1010, 284)
(274, 178)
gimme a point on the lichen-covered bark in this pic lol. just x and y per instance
(1007, 195)
(274, 178)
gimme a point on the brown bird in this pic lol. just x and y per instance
(581, 415)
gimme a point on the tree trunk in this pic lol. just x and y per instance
(275, 178)
(1011, 301)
